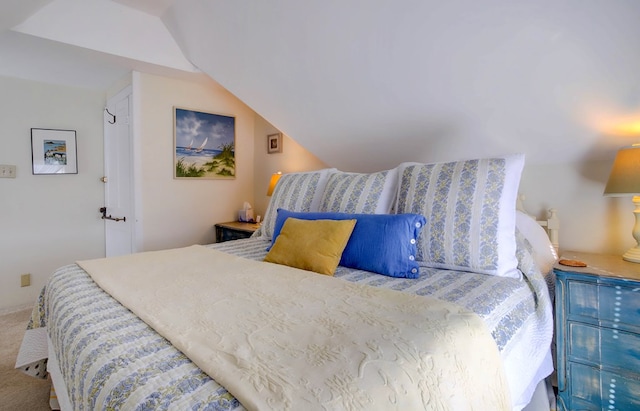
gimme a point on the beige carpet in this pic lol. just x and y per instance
(18, 392)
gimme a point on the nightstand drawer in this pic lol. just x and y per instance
(604, 302)
(234, 230)
(583, 297)
(598, 333)
(229, 235)
(619, 304)
(610, 347)
(584, 386)
(592, 389)
(619, 392)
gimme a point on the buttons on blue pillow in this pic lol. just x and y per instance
(380, 243)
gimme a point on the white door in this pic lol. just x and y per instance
(118, 216)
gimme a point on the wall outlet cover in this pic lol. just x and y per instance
(7, 171)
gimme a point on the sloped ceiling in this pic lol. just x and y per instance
(366, 85)
(89, 44)
(15, 12)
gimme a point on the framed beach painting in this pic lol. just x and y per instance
(204, 145)
(53, 151)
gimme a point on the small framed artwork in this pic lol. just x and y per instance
(204, 145)
(53, 151)
(274, 143)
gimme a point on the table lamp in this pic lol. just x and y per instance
(624, 180)
(272, 183)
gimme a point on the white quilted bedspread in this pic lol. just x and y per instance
(281, 338)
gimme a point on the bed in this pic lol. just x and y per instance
(441, 238)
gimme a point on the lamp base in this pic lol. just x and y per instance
(632, 255)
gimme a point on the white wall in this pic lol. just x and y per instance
(436, 81)
(47, 220)
(50, 221)
(588, 220)
(178, 213)
(293, 158)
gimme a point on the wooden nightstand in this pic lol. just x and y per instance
(234, 230)
(598, 333)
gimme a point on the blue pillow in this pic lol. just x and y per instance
(380, 243)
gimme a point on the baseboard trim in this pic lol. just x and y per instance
(11, 310)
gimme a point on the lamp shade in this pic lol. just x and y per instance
(272, 183)
(625, 174)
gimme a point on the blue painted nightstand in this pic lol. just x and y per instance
(598, 333)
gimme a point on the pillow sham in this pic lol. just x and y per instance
(372, 193)
(311, 245)
(380, 243)
(470, 209)
(294, 191)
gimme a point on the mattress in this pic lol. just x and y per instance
(110, 357)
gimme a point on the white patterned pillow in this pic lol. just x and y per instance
(294, 192)
(365, 193)
(470, 208)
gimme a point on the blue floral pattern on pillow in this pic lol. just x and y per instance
(372, 193)
(470, 223)
(296, 192)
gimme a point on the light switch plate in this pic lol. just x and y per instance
(7, 171)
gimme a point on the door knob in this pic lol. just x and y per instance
(103, 179)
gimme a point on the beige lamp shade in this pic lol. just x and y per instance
(625, 173)
(274, 180)
(624, 180)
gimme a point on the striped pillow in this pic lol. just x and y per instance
(470, 208)
(372, 193)
(295, 192)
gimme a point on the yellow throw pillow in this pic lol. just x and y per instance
(313, 245)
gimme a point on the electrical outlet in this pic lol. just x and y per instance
(25, 280)
(7, 171)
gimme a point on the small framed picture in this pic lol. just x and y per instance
(53, 151)
(274, 143)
